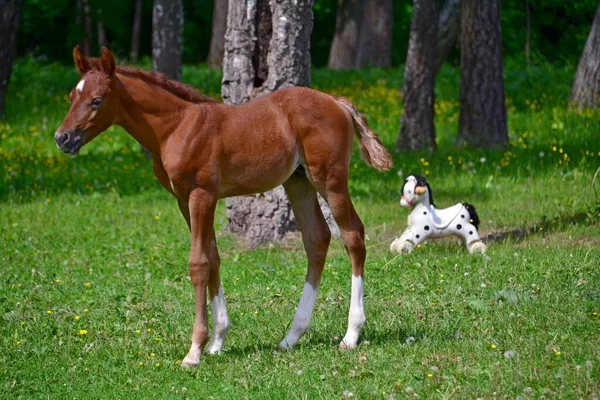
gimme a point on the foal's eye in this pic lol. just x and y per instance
(96, 102)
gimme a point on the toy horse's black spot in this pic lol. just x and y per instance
(459, 226)
(470, 232)
(462, 216)
(426, 227)
(424, 212)
(418, 236)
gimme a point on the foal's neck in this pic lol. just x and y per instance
(150, 114)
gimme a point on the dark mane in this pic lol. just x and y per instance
(181, 90)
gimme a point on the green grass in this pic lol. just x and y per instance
(92, 244)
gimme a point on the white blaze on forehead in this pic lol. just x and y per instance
(80, 85)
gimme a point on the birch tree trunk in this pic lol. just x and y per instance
(267, 47)
(344, 46)
(482, 120)
(417, 130)
(375, 41)
(10, 16)
(167, 37)
(586, 86)
(217, 39)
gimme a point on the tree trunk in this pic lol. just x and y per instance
(217, 39)
(260, 56)
(344, 46)
(375, 42)
(586, 87)
(527, 31)
(87, 24)
(267, 47)
(135, 32)
(101, 31)
(417, 130)
(482, 120)
(167, 37)
(10, 16)
(447, 32)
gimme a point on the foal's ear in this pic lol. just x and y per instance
(108, 61)
(81, 62)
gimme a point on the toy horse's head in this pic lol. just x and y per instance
(415, 190)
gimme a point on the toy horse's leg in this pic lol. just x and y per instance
(202, 205)
(409, 239)
(316, 237)
(472, 239)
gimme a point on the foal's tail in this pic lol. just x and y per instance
(371, 149)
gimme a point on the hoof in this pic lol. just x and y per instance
(478, 247)
(347, 346)
(401, 247)
(189, 363)
(214, 348)
(284, 345)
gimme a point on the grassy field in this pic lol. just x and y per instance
(95, 301)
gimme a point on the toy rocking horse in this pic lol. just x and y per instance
(427, 221)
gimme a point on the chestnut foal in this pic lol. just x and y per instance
(204, 151)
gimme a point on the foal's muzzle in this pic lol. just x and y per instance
(69, 142)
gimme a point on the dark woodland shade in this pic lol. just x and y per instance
(10, 12)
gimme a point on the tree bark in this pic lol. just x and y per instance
(100, 30)
(447, 32)
(527, 31)
(375, 42)
(217, 39)
(482, 120)
(264, 31)
(586, 86)
(87, 24)
(167, 37)
(417, 130)
(135, 32)
(344, 46)
(10, 16)
(267, 47)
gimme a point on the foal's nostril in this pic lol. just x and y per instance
(61, 138)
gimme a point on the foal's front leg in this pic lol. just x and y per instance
(202, 208)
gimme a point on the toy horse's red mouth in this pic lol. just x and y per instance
(410, 203)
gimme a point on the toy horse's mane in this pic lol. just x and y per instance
(421, 181)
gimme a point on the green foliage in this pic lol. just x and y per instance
(49, 28)
(95, 301)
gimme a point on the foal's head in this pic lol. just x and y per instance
(93, 108)
(415, 190)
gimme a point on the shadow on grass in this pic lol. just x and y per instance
(543, 227)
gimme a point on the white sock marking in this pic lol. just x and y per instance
(302, 318)
(80, 85)
(220, 322)
(356, 316)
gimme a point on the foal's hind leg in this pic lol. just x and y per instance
(316, 237)
(353, 235)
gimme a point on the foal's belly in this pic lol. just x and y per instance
(257, 175)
